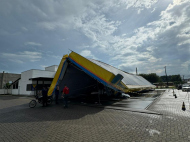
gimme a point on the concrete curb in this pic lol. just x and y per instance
(122, 109)
(155, 100)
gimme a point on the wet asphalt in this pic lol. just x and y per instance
(138, 101)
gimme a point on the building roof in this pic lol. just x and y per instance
(130, 80)
(15, 81)
(41, 78)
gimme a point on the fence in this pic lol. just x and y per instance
(9, 91)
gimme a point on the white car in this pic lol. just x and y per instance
(186, 87)
(126, 96)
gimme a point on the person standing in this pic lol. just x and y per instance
(56, 94)
(44, 94)
(65, 94)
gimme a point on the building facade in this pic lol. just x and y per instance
(28, 82)
(8, 78)
(32, 80)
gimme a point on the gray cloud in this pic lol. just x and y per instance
(21, 57)
(33, 43)
(125, 33)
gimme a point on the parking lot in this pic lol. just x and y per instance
(82, 123)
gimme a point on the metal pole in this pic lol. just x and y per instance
(98, 93)
(2, 80)
(166, 76)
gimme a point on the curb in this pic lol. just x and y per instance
(155, 100)
(122, 109)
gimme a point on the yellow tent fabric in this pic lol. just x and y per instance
(96, 70)
(56, 77)
(93, 68)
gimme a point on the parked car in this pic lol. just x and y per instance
(186, 87)
(125, 96)
(179, 87)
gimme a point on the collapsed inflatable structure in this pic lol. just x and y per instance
(84, 76)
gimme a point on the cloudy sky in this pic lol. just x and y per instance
(147, 34)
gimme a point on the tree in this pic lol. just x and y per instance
(7, 86)
(152, 77)
(172, 78)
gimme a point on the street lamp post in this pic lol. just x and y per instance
(166, 77)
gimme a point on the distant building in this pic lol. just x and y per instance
(187, 80)
(8, 78)
(164, 84)
(33, 80)
(30, 81)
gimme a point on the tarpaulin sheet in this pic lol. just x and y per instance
(130, 80)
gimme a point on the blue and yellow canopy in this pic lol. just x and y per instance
(107, 75)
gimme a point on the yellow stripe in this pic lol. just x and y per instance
(93, 68)
(56, 77)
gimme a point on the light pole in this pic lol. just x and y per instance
(166, 77)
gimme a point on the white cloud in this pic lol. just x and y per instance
(87, 54)
(123, 35)
(184, 42)
(53, 25)
(150, 44)
(33, 44)
(96, 27)
(54, 56)
(186, 67)
(43, 66)
(16, 61)
(104, 26)
(22, 57)
(138, 4)
(24, 29)
(153, 10)
(146, 46)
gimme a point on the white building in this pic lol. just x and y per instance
(33, 80)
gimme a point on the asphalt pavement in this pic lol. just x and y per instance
(80, 123)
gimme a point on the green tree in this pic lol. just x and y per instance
(152, 77)
(7, 86)
(172, 78)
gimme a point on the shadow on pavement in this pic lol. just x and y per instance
(23, 113)
(8, 97)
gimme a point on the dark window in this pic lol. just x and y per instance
(16, 86)
(29, 87)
